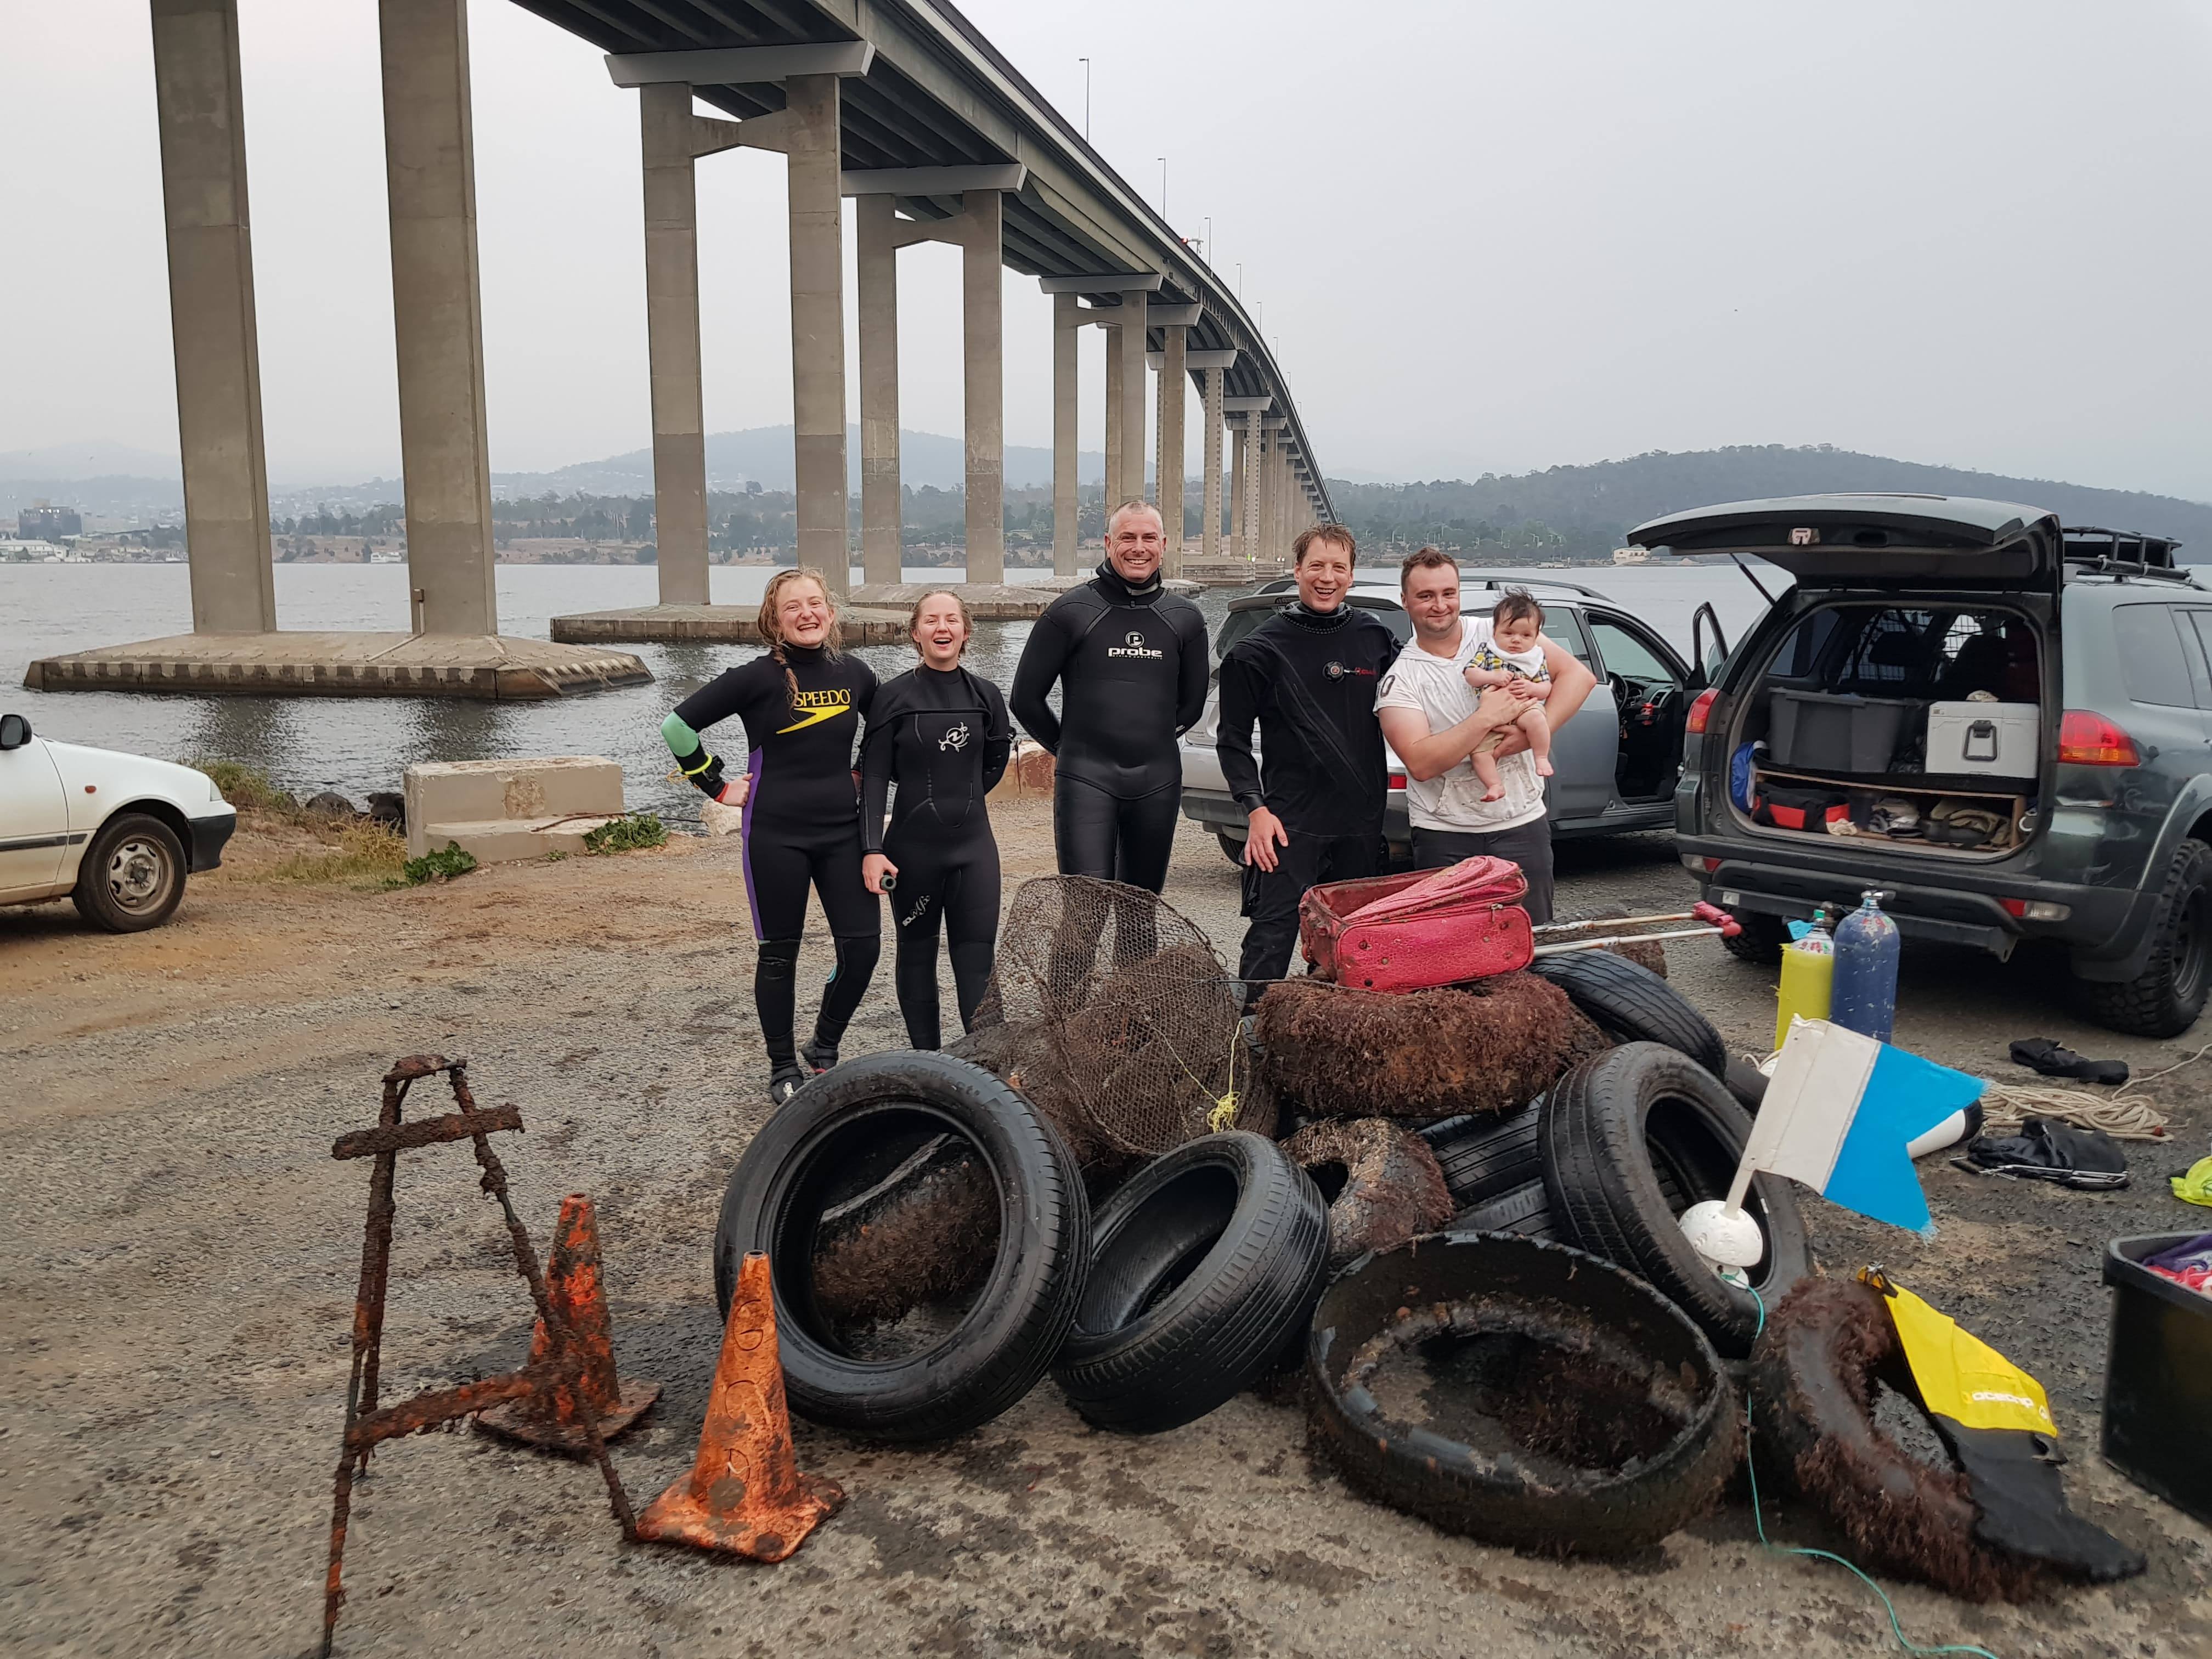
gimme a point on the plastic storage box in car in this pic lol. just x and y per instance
(2157, 1377)
(1999, 738)
(1833, 732)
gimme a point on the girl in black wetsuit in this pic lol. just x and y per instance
(941, 734)
(802, 704)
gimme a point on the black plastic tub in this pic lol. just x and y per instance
(2157, 1377)
(1831, 732)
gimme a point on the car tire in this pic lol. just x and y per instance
(1811, 1383)
(1484, 1157)
(1761, 940)
(1525, 1213)
(2165, 1000)
(1633, 1005)
(1551, 1333)
(133, 874)
(851, 1126)
(1634, 1138)
(1202, 1267)
(1232, 847)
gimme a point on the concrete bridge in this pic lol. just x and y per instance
(901, 105)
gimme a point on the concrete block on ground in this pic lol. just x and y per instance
(502, 810)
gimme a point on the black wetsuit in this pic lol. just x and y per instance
(1131, 668)
(1309, 679)
(942, 737)
(802, 824)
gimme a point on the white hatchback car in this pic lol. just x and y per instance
(117, 833)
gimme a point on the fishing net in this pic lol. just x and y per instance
(1110, 1011)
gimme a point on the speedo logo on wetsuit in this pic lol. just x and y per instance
(813, 707)
(1133, 646)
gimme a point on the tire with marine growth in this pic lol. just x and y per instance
(838, 1137)
(1631, 1139)
(1202, 1267)
(1633, 1005)
(1521, 1392)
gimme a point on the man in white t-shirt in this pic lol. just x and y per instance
(1433, 720)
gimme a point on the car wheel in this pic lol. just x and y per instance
(2165, 1000)
(1760, 941)
(133, 875)
(1232, 847)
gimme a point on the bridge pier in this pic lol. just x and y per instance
(201, 116)
(817, 324)
(1209, 545)
(882, 504)
(1113, 493)
(672, 139)
(1175, 348)
(984, 381)
(1067, 497)
(455, 649)
(1129, 350)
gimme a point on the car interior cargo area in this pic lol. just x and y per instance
(1919, 725)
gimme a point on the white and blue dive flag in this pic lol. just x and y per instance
(1840, 1116)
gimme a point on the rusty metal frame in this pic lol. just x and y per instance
(366, 1423)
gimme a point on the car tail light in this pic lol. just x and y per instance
(1700, 712)
(1397, 781)
(2035, 909)
(2087, 739)
(1700, 867)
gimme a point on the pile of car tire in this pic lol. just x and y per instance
(1513, 1272)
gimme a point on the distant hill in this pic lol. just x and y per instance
(1585, 510)
(89, 458)
(761, 455)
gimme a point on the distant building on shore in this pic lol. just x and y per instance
(42, 522)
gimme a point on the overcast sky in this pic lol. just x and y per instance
(1487, 235)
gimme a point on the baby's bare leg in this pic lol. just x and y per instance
(1486, 768)
(1536, 726)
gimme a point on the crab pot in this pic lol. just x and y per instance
(1521, 1392)
(2157, 1377)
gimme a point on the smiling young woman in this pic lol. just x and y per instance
(941, 734)
(802, 702)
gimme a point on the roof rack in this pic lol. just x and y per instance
(1496, 584)
(2091, 541)
(2099, 565)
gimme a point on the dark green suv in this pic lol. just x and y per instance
(2006, 723)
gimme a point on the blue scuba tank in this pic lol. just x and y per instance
(1864, 998)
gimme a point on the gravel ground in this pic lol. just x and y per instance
(179, 1256)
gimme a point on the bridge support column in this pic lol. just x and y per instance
(672, 140)
(882, 502)
(1270, 482)
(1210, 536)
(1067, 499)
(1240, 497)
(437, 313)
(201, 115)
(1113, 495)
(1129, 347)
(983, 378)
(1174, 377)
(817, 325)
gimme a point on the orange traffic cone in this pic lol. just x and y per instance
(745, 1494)
(553, 1420)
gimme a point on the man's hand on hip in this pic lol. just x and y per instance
(1263, 835)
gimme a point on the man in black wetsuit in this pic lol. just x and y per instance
(1315, 798)
(1130, 661)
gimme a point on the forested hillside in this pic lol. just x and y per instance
(1582, 512)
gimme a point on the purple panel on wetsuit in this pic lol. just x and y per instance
(746, 831)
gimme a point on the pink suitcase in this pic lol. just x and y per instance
(1412, 932)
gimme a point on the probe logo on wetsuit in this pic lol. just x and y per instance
(1134, 647)
(956, 738)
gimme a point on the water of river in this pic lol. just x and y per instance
(358, 744)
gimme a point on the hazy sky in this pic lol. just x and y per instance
(1487, 235)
